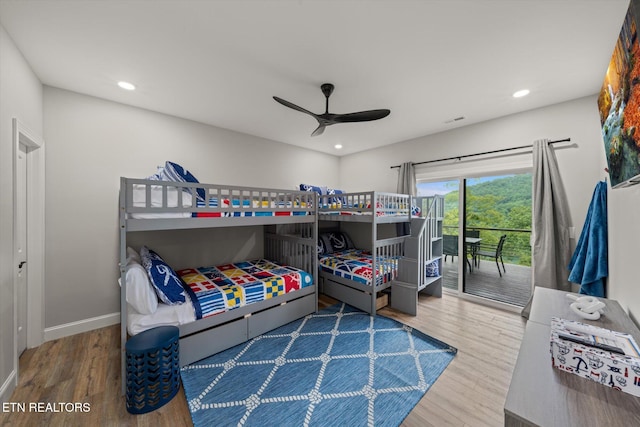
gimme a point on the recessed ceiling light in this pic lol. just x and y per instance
(521, 93)
(337, 146)
(126, 85)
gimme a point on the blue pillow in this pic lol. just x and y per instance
(158, 176)
(322, 249)
(336, 199)
(432, 269)
(331, 242)
(166, 282)
(175, 172)
(305, 187)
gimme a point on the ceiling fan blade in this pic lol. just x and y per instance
(361, 116)
(319, 130)
(294, 106)
(328, 119)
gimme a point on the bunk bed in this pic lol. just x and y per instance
(358, 276)
(290, 236)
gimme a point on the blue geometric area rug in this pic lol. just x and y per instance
(339, 366)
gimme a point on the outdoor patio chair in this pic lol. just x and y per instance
(473, 247)
(449, 246)
(494, 252)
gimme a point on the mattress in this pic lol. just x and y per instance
(378, 213)
(392, 209)
(156, 201)
(221, 288)
(214, 290)
(355, 264)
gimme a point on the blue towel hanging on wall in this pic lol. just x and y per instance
(589, 265)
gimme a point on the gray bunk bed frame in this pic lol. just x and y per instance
(290, 240)
(371, 207)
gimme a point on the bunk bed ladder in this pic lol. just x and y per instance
(422, 247)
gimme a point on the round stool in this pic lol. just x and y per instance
(153, 368)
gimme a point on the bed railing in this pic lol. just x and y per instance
(387, 254)
(367, 203)
(152, 197)
(296, 251)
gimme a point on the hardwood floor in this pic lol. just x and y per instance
(471, 392)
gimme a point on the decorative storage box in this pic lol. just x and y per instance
(610, 358)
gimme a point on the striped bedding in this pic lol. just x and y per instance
(355, 264)
(360, 209)
(249, 204)
(221, 288)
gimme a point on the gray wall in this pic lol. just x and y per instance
(91, 143)
(21, 98)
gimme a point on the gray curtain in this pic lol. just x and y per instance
(406, 185)
(407, 179)
(550, 237)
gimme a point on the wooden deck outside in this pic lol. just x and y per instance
(514, 287)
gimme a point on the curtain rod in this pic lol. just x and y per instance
(481, 154)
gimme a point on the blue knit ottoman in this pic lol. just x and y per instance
(153, 369)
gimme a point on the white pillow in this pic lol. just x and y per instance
(133, 255)
(140, 293)
(140, 197)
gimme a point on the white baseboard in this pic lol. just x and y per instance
(81, 326)
(7, 388)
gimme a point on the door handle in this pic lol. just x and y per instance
(22, 263)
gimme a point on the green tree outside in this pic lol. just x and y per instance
(503, 203)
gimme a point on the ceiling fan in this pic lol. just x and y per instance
(328, 119)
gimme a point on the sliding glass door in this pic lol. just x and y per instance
(487, 228)
(497, 230)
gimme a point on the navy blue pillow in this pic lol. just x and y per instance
(336, 199)
(322, 248)
(166, 282)
(305, 187)
(432, 269)
(334, 242)
(175, 172)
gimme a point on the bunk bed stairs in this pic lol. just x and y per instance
(421, 267)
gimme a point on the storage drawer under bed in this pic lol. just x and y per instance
(267, 320)
(353, 297)
(205, 343)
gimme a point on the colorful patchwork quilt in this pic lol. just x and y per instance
(247, 204)
(355, 264)
(392, 209)
(221, 288)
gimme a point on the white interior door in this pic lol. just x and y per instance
(21, 246)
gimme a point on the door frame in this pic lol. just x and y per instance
(460, 171)
(35, 236)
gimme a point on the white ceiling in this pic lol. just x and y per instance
(220, 62)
